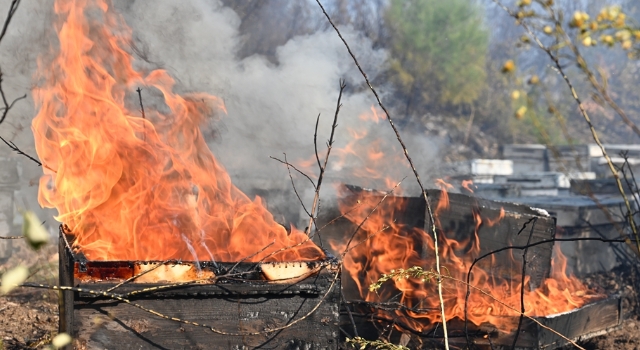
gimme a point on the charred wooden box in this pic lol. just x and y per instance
(512, 225)
(240, 311)
(537, 333)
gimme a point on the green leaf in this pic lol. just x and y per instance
(33, 231)
(61, 340)
(13, 278)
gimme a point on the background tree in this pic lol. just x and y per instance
(438, 51)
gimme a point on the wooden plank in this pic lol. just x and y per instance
(459, 223)
(231, 307)
(579, 324)
(65, 301)
(574, 324)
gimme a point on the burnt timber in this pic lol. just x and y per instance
(591, 320)
(235, 307)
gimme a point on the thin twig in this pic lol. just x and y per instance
(413, 168)
(346, 249)
(144, 118)
(252, 255)
(293, 184)
(17, 150)
(296, 169)
(524, 275)
(7, 105)
(12, 11)
(353, 322)
(316, 199)
(13, 7)
(341, 216)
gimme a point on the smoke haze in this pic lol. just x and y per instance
(272, 107)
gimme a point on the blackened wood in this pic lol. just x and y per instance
(65, 300)
(458, 223)
(580, 324)
(231, 307)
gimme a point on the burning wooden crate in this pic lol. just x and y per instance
(406, 310)
(494, 224)
(276, 305)
(537, 333)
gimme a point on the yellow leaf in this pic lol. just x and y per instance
(534, 80)
(33, 230)
(61, 340)
(13, 278)
(521, 112)
(508, 66)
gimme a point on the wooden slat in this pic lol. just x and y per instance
(231, 307)
(65, 301)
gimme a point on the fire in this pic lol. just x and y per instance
(383, 245)
(134, 188)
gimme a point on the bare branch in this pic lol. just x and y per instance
(12, 11)
(296, 169)
(13, 7)
(316, 199)
(295, 190)
(594, 134)
(144, 126)
(17, 150)
(7, 105)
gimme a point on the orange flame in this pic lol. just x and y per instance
(383, 245)
(466, 184)
(134, 188)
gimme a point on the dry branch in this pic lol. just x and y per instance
(556, 61)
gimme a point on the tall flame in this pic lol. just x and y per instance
(134, 188)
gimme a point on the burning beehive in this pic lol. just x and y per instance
(136, 190)
(483, 282)
(198, 304)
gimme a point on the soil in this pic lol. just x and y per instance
(624, 281)
(28, 319)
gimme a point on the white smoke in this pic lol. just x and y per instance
(272, 108)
